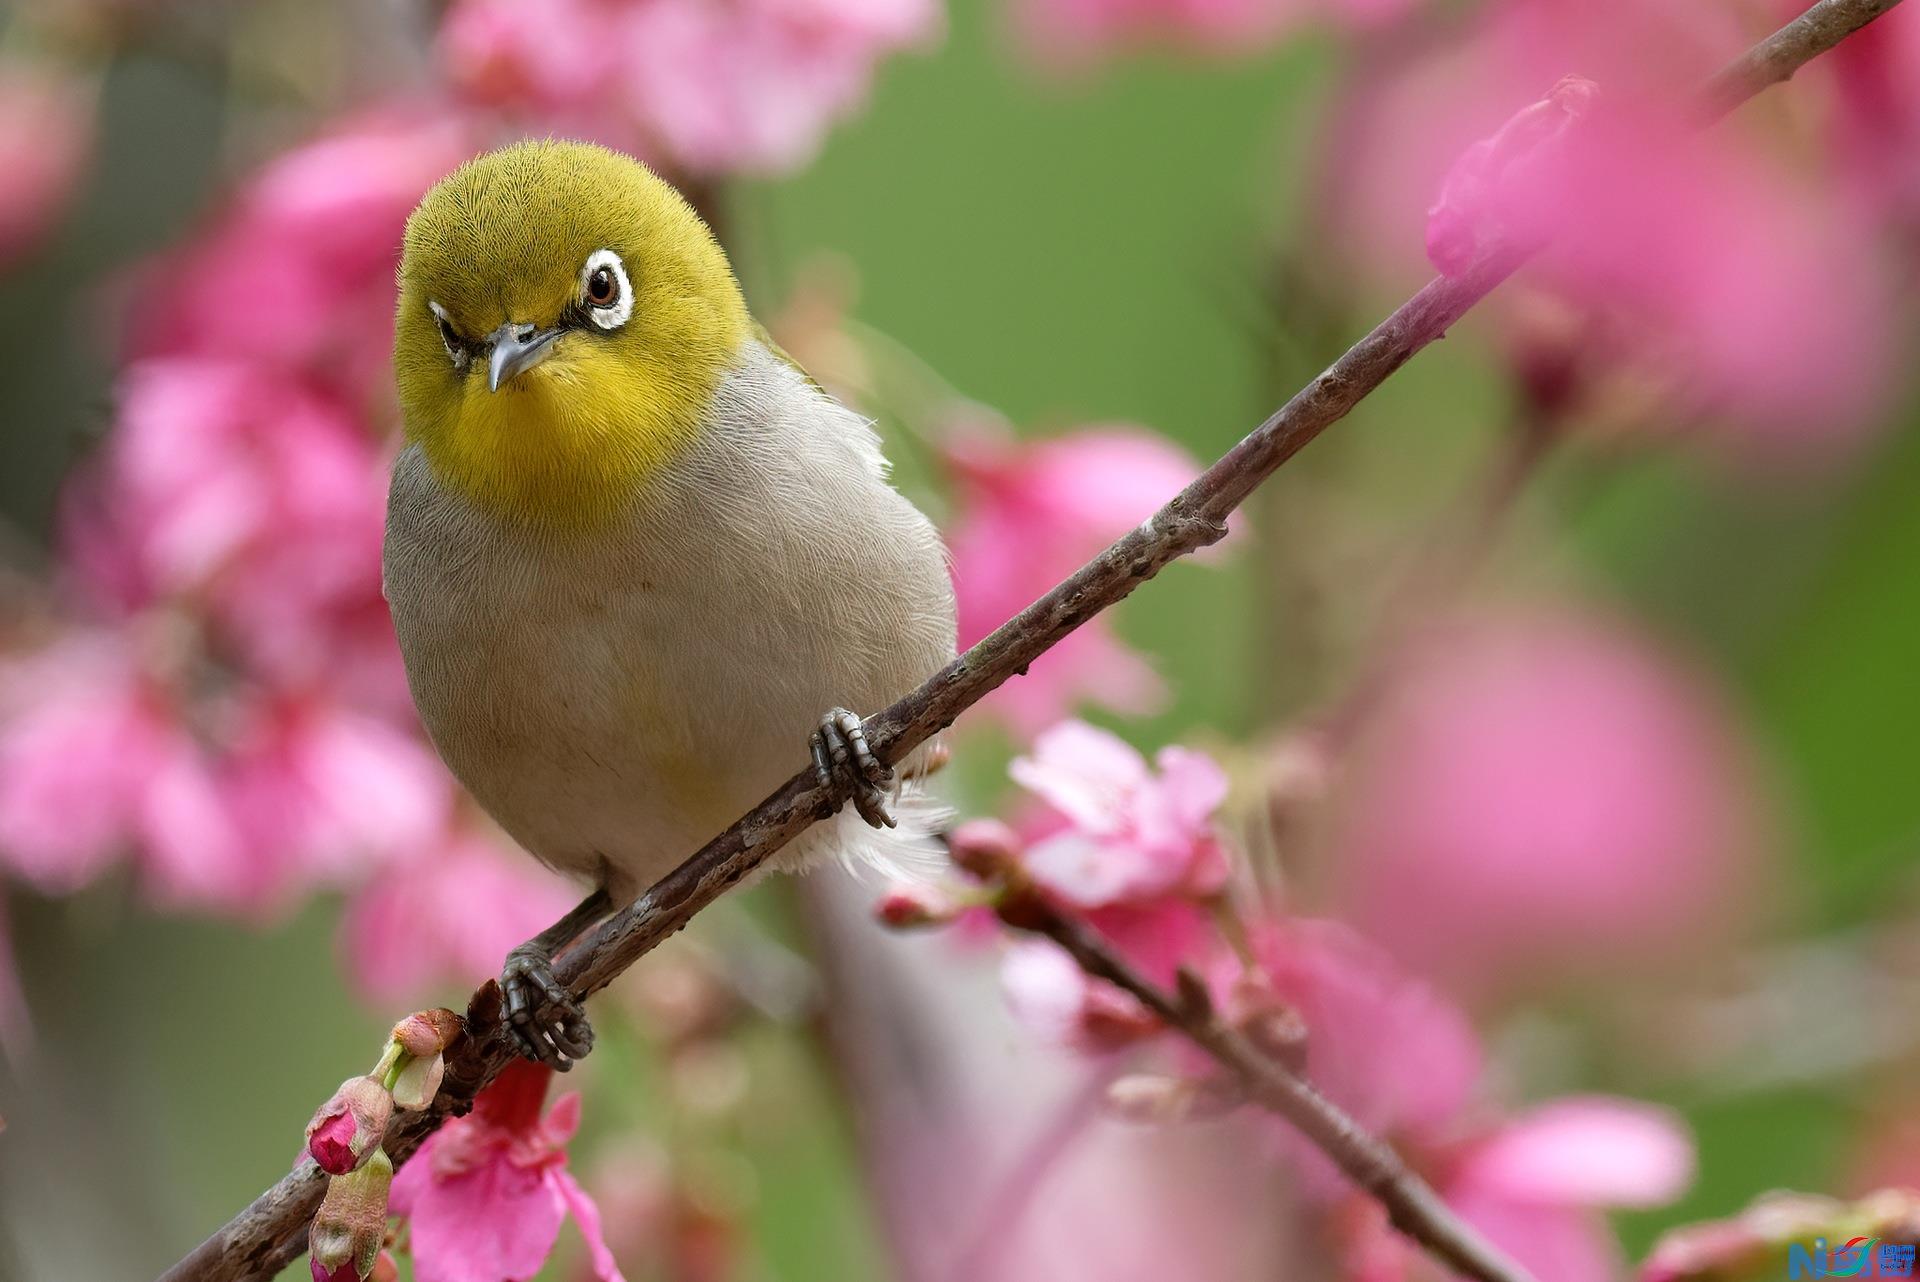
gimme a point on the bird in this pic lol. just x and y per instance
(640, 564)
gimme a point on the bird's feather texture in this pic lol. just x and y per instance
(616, 697)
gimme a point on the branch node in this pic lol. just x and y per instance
(1190, 992)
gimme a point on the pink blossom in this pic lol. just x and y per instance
(446, 916)
(485, 1194)
(324, 795)
(1533, 1185)
(46, 139)
(95, 762)
(1027, 515)
(350, 1125)
(1405, 1063)
(1583, 1151)
(1048, 992)
(253, 499)
(1382, 1044)
(1130, 835)
(909, 907)
(702, 88)
(251, 802)
(1737, 284)
(297, 271)
(1542, 794)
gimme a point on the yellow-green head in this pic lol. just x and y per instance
(565, 318)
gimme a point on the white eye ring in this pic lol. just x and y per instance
(456, 352)
(616, 313)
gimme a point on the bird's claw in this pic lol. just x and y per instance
(844, 764)
(545, 1021)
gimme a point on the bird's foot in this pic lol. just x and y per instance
(545, 1021)
(844, 763)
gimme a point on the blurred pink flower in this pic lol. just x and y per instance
(1874, 75)
(252, 501)
(272, 797)
(297, 271)
(1130, 835)
(1382, 1044)
(95, 763)
(1741, 287)
(46, 140)
(1534, 1185)
(485, 1194)
(701, 88)
(1407, 1065)
(1026, 516)
(330, 794)
(1048, 992)
(1541, 794)
(1488, 196)
(1071, 32)
(446, 916)
(1582, 1151)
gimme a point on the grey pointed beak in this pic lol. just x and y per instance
(516, 348)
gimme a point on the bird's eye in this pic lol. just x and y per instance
(605, 289)
(602, 288)
(457, 350)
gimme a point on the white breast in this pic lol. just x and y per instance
(614, 701)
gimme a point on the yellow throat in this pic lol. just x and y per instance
(525, 241)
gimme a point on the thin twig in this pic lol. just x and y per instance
(268, 1234)
(1775, 59)
(1411, 1204)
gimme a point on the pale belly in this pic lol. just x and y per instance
(629, 734)
(615, 702)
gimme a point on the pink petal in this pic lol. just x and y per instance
(1384, 1044)
(1083, 772)
(587, 1215)
(447, 915)
(1545, 793)
(1586, 1151)
(562, 1120)
(1193, 783)
(1088, 872)
(495, 1223)
(1044, 989)
(1548, 1241)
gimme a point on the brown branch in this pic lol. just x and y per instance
(268, 1234)
(1776, 58)
(1411, 1204)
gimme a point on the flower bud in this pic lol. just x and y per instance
(1276, 1029)
(344, 1241)
(427, 1032)
(1492, 192)
(905, 907)
(1146, 1097)
(417, 1080)
(984, 847)
(350, 1125)
(1111, 1019)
